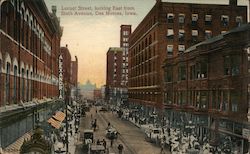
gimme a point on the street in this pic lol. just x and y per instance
(130, 136)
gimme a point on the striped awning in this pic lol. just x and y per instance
(56, 120)
(56, 124)
(60, 116)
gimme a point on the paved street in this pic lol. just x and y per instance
(131, 137)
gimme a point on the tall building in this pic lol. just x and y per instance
(166, 32)
(114, 74)
(29, 49)
(125, 32)
(209, 86)
(74, 78)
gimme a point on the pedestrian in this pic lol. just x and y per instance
(120, 148)
(104, 143)
(111, 142)
(98, 142)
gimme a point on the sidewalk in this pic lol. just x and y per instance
(73, 140)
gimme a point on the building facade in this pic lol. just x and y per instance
(125, 32)
(114, 74)
(165, 32)
(29, 48)
(209, 86)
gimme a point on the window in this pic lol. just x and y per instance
(194, 19)
(208, 34)
(235, 98)
(15, 84)
(181, 18)
(195, 36)
(169, 74)
(214, 99)
(22, 84)
(125, 33)
(224, 103)
(27, 85)
(170, 49)
(170, 34)
(203, 70)
(7, 83)
(182, 72)
(224, 20)
(239, 20)
(235, 65)
(169, 97)
(192, 72)
(208, 20)
(181, 35)
(204, 99)
(227, 65)
(170, 17)
(181, 48)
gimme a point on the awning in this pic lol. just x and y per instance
(54, 123)
(60, 116)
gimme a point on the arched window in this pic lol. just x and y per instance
(27, 85)
(22, 85)
(15, 85)
(7, 83)
(7, 18)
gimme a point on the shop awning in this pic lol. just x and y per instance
(60, 116)
(56, 124)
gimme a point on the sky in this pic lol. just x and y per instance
(90, 32)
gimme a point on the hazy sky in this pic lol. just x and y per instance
(89, 36)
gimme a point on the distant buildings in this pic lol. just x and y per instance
(87, 90)
(70, 71)
(114, 74)
(166, 32)
(97, 94)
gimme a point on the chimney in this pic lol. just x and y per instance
(233, 2)
(53, 8)
(66, 45)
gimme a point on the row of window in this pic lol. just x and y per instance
(148, 80)
(219, 99)
(200, 69)
(208, 19)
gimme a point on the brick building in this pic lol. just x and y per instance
(67, 72)
(125, 32)
(29, 48)
(209, 86)
(124, 35)
(165, 32)
(114, 74)
(74, 72)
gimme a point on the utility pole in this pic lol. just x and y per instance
(67, 124)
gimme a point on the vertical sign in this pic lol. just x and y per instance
(61, 77)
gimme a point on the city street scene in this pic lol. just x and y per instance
(124, 77)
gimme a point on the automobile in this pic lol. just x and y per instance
(111, 133)
(103, 109)
(153, 134)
